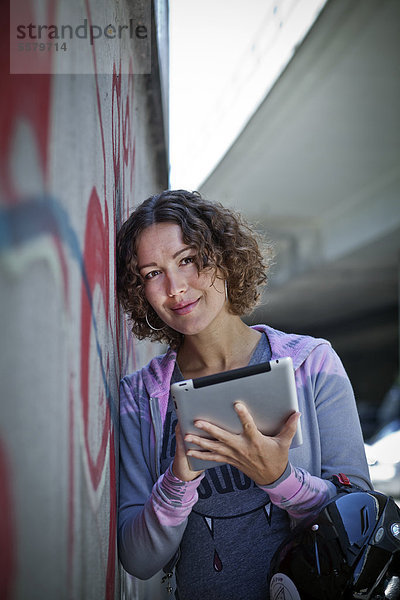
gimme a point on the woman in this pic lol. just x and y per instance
(187, 270)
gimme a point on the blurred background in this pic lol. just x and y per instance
(291, 115)
(287, 110)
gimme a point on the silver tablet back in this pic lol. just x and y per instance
(267, 389)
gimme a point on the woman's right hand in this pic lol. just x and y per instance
(180, 466)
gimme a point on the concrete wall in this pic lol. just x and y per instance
(77, 152)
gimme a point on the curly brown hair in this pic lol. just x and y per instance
(223, 240)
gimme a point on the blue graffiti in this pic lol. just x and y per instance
(32, 218)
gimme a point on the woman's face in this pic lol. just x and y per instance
(184, 299)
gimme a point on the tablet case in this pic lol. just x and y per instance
(268, 389)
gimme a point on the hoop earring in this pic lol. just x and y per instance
(151, 326)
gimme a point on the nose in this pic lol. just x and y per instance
(176, 284)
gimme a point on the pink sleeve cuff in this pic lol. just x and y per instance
(285, 487)
(299, 493)
(173, 499)
(178, 491)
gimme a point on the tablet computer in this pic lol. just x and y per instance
(268, 389)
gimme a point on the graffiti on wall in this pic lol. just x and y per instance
(39, 211)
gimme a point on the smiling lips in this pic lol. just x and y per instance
(185, 307)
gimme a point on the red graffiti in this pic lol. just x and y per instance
(7, 534)
(97, 264)
(112, 541)
(116, 127)
(122, 135)
(71, 486)
(24, 98)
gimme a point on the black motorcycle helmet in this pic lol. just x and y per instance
(351, 550)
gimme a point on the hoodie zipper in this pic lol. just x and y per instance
(155, 418)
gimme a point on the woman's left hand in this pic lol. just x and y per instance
(262, 458)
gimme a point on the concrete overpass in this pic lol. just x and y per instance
(318, 167)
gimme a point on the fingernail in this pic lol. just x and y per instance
(238, 405)
(198, 424)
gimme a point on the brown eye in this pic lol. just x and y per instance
(187, 260)
(151, 275)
